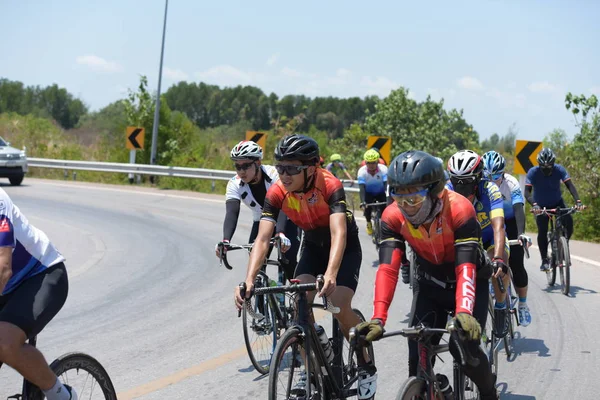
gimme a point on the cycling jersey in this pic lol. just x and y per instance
(374, 183)
(450, 242)
(488, 205)
(238, 190)
(310, 211)
(32, 250)
(546, 189)
(336, 170)
(511, 195)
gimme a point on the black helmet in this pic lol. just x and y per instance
(417, 169)
(546, 157)
(297, 147)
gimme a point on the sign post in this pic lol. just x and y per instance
(525, 158)
(134, 140)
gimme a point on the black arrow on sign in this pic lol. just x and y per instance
(256, 137)
(133, 136)
(525, 153)
(379, 143)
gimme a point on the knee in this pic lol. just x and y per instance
(9, 348)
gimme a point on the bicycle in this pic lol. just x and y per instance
(325, 379)
(377, 210)
(425, 385)
(75, 363)
(275, 314)
(560, 254)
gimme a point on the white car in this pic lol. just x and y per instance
(13, 163)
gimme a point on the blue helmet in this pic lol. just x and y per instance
(493, 163)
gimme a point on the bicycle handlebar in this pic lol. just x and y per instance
(377, 204)
(558, 211)
(276, 241)
(517, 242)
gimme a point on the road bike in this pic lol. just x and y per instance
(80, 371)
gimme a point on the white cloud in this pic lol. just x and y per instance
(342, 77)
(226, 75)
(542, 87)
(273, 59)
(98, 63)
(380, 86)
(469, 83)
(507, 99)
(595, 90)
(175, 74)
(291, 73)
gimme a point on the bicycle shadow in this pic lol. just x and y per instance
(523, 345)
(574, 290)
(375, 264)
(506, 395)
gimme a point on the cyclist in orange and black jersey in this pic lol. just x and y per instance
(442, 229)
(315, 201)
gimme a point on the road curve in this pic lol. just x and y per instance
(149, 300)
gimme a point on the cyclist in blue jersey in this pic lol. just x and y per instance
(372, 183)
(544, 181)
(466, 178)
(34, 287)
(514, 219)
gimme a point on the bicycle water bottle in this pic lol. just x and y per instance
(325, 343)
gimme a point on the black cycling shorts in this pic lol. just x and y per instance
(315, 257)
(36, 301)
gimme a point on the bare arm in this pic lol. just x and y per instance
(5, 266)
(499, 237)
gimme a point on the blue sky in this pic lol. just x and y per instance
(503, 62)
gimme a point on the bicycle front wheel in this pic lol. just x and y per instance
(564, 263)
(260, 336)
(85, 375)
(413, 389)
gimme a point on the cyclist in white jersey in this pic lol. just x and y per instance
(372, 184)
(250, 186)
(34, 287)
(514, 219)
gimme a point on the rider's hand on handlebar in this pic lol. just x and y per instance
(536, 209)
(363, 205)
(525, 241)
(237, 298)
(373, 330)
(218, 248)
(580, 206)
(328, 286)
(467, 323)
(285, 242)
(500, 267)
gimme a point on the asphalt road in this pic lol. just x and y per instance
(150, 302)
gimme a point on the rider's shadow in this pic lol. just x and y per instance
(574, 291)
(526, 345)
(505, 395)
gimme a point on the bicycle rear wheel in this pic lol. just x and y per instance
(564, 264)
(85, 375)
(551, 273)
(260, 336)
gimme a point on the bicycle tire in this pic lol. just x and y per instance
(80, 361)
(551, 273)
(292, 336)
(565, 264)
(261, 366)
(412, 388)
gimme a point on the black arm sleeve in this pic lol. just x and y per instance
(571, 187)
(232, 212)
(520, 217)
(528, 196)
(281, 222)
(361, 188)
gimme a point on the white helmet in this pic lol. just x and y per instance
(246, 150)
(465, 163)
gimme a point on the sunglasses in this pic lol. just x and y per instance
(243, 167)
(410, 199)
(291, 170)
(495, 177)
(464, 180)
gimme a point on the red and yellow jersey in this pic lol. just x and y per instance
(452, 239)
(311, 210)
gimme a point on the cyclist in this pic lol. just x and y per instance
(514, 219)
(34, 287)
(441, 227)
(315, 200)
(544, 180)
(250, 186)
(466, 177)
(379, 159)
(336, 166)
(372, 183)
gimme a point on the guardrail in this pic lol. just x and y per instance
(144, 169)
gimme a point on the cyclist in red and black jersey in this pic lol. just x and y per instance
(315, 201)
(442, 229)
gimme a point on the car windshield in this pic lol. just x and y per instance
(2, 142)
